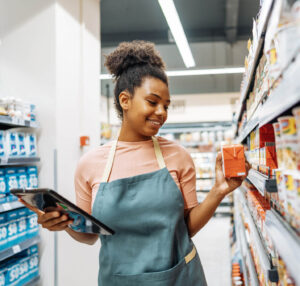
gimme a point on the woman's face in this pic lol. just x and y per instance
(147, 110)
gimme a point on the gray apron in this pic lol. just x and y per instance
(151, 246)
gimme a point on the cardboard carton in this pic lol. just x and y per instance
(233, 161)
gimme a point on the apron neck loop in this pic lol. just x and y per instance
(158, 154)
(112, 152)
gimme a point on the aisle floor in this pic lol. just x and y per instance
(212, 244)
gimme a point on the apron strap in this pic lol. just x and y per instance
(109, 162)
(158, 154)
(111, 156)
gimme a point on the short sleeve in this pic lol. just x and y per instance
(83, 190)
(187, 180)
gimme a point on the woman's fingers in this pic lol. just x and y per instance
(36, 210)
(61, 226)
(54, 221)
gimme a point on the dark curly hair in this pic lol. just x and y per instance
(130, 64)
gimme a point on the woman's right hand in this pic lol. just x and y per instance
(52, 220)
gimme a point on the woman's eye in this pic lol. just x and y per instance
(152, 102)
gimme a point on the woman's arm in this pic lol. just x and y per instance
(198, 216)
(56, 221)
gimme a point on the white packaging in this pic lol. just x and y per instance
(30, 144)
(2, 144)
(11, 144)
(21, 144)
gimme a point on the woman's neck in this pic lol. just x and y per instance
(127, 134)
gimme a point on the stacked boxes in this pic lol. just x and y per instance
(20, 177)
(21, 269)
(17, 144)
(17, 226)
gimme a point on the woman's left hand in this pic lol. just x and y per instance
(224, 185)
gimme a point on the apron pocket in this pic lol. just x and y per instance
(183, 273)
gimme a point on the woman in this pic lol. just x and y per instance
(143, 186)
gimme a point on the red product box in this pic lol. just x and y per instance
(266, 134)
(271, 158)
(233, 161)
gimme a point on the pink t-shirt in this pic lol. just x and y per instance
(131, 159)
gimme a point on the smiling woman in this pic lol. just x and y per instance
(143, 186)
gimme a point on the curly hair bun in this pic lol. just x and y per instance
(133, 53)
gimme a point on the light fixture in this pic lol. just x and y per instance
(229, 70)
(175, 26)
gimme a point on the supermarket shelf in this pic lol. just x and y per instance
(278, 102)
(33, 282)
(19, 247)
(269, 272)
(286, 242)
(263, 21)
(7, 122)
(205, 178)
(17, 161)
(10, 206)
(261, 182)
(246, 254)
(203, 191)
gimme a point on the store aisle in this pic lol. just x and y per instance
(212, 243)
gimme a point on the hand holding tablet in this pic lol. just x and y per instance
(57, 212)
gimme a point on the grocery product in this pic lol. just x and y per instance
(296, 113)
(279, 145)
(289, 139)
(233, 161)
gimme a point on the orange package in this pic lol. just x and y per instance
(233, 161)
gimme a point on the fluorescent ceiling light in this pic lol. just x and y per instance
(206, 71)
(175, 26)
(231, 70)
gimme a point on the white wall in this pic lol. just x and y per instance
(50, 55)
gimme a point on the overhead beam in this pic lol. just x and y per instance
(161, 37)
(231, 20)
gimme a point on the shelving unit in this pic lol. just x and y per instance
(270, 272)
(262, 182)
(18, 161)
(4, 254)
(10, 206)
(7, 122)
(286, 242)
(263, 22)
(268, 100)
(23, 242)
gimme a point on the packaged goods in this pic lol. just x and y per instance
(270, 156)
(279, 145)
(2, 144)
(3, 231)
(233, 161)
(22, 224)
(3, 189)
(32, 173)
(11, 178)
(21, 144)
(289, 140)
(22, 178)
(281, 191)
(11, 144)
(296, 113)
(12, 229)
(31, 147)
(266, 134)
(296, 179)
(291, 194)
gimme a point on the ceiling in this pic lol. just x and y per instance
(217, 31)
(202, 20)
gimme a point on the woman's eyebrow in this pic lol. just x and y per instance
(168, 100)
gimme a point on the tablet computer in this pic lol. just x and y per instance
(49, 200)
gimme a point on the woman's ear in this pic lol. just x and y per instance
(124, 99)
